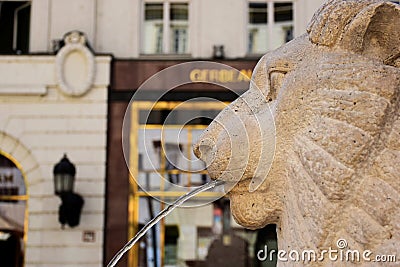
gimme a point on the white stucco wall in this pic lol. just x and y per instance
(51, 19)
(38, 124)
(221, 22)
(115, 27)
(118, 27)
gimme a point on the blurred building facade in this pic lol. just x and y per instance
(68, 70)
(131, 29)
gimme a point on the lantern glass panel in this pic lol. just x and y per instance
(63, 183)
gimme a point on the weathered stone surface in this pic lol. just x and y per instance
(332, 148)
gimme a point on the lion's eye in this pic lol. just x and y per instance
(275, 82)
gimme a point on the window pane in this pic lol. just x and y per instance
(283, 12)
(22, 23)
(283, 26)
(179, 12)
(153, 11)
(179, 39)
(257, 28)
(179, 28)
(258, 13)
(153, 29)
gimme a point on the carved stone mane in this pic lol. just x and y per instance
(335, 99)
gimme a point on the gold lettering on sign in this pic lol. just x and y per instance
(9, 178)
(6, 178)
(220, 76)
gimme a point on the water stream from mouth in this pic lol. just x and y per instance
(161, 215)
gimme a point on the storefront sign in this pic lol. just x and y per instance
(220, 75)
(11, 182)
(6, 178)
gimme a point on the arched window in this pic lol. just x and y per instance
(13, 217)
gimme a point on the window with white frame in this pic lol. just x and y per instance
(153, 28)
(270, 25)
(165, 29)
(257, 28)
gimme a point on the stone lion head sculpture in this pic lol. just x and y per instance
(313, 146)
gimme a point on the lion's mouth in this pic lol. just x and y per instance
(239, 187)
(246, 183)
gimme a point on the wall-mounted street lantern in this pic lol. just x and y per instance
(72, 203)
(64, 176)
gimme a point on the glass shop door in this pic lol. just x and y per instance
(163, 168)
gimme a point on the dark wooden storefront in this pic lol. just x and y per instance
(127, 77)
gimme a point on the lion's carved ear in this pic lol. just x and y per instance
(375, 32)
(260, 75)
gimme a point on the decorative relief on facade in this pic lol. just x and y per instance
(75, 65)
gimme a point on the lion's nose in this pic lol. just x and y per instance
(203, 149)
